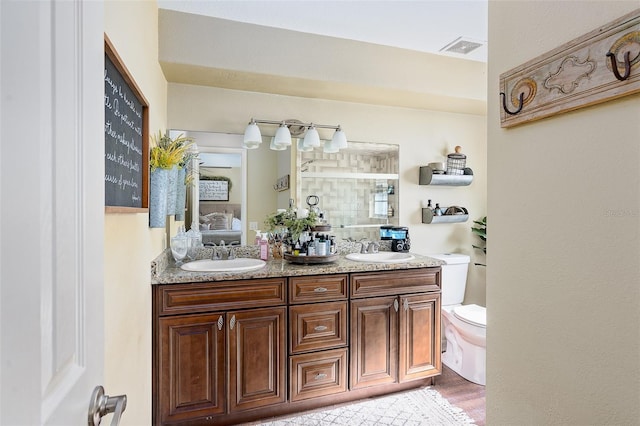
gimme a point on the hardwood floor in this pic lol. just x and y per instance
(462, 393)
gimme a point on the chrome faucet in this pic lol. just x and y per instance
(371, 247)
(223, 251)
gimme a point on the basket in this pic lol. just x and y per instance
(456, 163)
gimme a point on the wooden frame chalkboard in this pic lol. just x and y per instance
(126, 138)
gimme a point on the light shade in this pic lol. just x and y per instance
(311, 138)
(302, 147)
(252, 137)
(283, 136)
(339, 139)
(275, 147)
(330, 147)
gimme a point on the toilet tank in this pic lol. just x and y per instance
(454, 276)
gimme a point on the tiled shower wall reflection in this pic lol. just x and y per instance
(354, 205)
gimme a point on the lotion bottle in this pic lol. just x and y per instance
(264, 248)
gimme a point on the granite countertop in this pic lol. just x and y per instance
(164, 270)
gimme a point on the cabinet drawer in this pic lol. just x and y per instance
(395, 282)
(318, 288)
(318, 374)
(220, 295)
(317, 326)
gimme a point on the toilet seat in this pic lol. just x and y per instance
(472, 314)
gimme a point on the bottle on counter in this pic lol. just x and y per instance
(429, 206)
(322, 246)
(264, 247)
(437, 211)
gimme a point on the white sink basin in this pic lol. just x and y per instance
(381, 257)
(230, 265)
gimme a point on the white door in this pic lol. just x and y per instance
(51, 210)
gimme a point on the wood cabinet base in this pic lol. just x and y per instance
(231, 352)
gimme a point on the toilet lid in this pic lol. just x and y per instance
(472, 314)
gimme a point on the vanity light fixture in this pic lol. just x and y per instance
(283, 135)
(287, 128)
(302, 147)
(252, 137)
(275, 146)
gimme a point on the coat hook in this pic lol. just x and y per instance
(504, 103)
(614, 65)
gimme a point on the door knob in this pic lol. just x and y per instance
(101, 405)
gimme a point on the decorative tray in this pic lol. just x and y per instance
(310, 259)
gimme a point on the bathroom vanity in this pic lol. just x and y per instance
(230, 348)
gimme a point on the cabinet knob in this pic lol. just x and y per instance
(320, 328)
(319, 290)
(232, 323)
(395, 305)
(320, 376)
(406, 304)
(220, 322)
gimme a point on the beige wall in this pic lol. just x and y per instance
(130, 244)
(424, 136)
(563, 298)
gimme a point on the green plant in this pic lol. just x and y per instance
(166, 152)
(481, 231)
(288, 221)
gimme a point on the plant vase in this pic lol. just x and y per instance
(181, 193)
(172, 189)
(158, 189)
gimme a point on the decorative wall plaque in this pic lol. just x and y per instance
(597, 67)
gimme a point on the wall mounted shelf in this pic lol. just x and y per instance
(428, 177)
(428, 217)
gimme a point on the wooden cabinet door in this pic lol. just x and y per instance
(191, 383)
(374, 341)
(257, 358)
(419, 351)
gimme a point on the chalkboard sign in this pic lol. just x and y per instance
(126, 145)
(214, 190)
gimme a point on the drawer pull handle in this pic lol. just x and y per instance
(320, 376)
(395, 305)
(320, 328)
(232, 323)
(319, 290)
(220, 323)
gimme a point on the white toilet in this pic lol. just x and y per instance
(464, 326)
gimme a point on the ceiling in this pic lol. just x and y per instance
(420, 25)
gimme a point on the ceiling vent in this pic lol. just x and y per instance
(461, 46)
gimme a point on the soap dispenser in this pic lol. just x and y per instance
(264, 247)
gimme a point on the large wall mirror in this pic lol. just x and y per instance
(357, 188)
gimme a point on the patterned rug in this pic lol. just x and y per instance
(424, 406)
